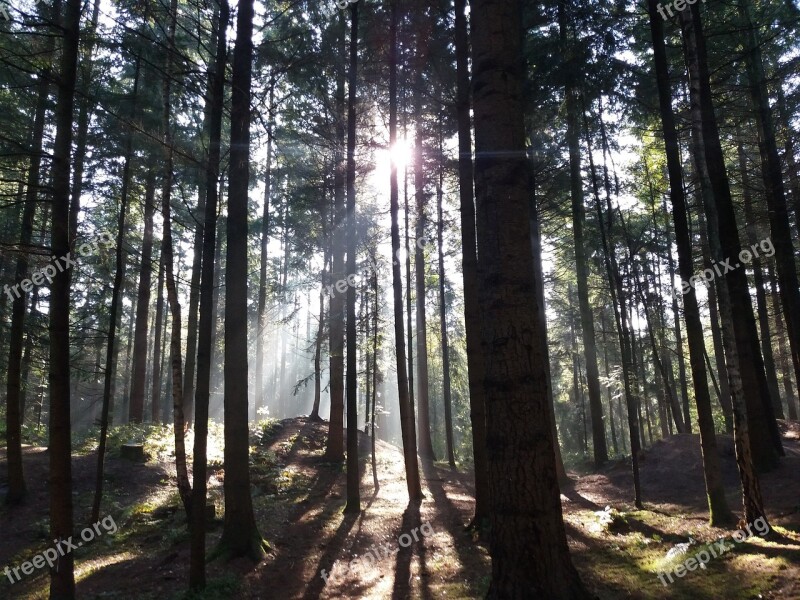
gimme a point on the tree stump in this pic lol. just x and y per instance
(132, 451)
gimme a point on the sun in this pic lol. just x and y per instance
(401, 153)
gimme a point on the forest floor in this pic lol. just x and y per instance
(299, 499)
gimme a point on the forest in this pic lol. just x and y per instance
(399, 299)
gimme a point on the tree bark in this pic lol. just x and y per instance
(240, 535)
(216, 93)
(335, 449)
(353, 505)
(408, 431)
(62, 581)
(528, 546)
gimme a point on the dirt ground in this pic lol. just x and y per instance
(299, 500)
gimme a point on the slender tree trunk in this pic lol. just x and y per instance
(26, 358)
(240, 535)
(14, 390)
(158, 349)
(788, 388)
(716, 335)
(775, 196)
(119, 277)
(469, 257)
(530, 557)
(409, 294)
(262, 278)
(621, 319)
(136, 406)
(608, 387)
(677, 320)
(375, 292)
(571, 95)
(62, 581)
(194, 304)
(406, 410)
(761, 297)
(732, 289)
(125, 404)
(314, 416)
(448, 416)
(353, 492)
(184, 487)
(216, 92)
(423, 412)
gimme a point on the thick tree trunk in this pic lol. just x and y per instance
(335, 449)
(469, 256)
(62, 581)
(406, 410)
(353, 492)
(528, 546)
(240, 535)
(216, 92)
